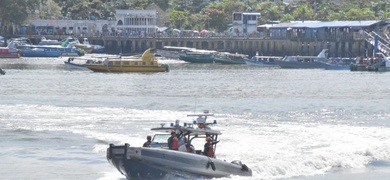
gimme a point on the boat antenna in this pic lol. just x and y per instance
(196, 101)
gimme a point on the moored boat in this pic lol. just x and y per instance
(263, 61)
(9, 52)
(172, 52)
(79, 63)
(198, 56)
(6, 52)
(65, 49)
(230, 58)
(379, 62)
(45, 41)
(159, 162)
(339, 63)
(304, 62)
(145, 63)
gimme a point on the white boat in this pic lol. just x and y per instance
(89, 48)
(159, 162)
(172, 52)
(263, 61)
(79, 63)
(45, 41)
(304, 62)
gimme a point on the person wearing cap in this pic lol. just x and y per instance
(149, 140)
(173, 141)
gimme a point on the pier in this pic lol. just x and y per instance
(345, 46)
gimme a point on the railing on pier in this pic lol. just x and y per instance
(382, 42)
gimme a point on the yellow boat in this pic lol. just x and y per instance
(145, 63)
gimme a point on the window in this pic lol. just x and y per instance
(236, 17)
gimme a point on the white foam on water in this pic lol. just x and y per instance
(308, 143)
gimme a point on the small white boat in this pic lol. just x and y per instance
(79, 63)
(159, 162)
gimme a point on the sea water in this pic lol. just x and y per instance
(282, 123)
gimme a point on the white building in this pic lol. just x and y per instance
(128, 22)
(140, 22)
(75, 27)
(245, 22)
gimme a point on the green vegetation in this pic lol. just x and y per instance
(193, 14)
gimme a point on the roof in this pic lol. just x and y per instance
(330, 24)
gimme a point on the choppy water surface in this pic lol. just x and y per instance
(56, 123)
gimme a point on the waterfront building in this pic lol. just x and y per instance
(136, 22)
(126, 22)
(245, 22)
(67, 27)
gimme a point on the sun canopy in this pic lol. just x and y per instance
(327, 24)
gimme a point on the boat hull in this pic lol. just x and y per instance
(158, 163)
(337, 67)
(193, 59)
(300, 65)
(261, 63)
(228, 61)
(41, 53)
(362, 67)
(105, 68)
(6, 52)
(75, 66)
(10, 55)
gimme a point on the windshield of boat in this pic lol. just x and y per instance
(160, 140)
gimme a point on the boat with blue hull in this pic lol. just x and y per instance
(305, 62)
(159, 162)
(65, 49)
(339, 63)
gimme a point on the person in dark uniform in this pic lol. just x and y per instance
(209, 147)
(149, 140)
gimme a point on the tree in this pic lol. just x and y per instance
(49, 9)
(270, 11)
(178, 18)
(15, 12)
(303, 12)
(215, 19)
(360, 14)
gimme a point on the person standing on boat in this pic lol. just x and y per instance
(173, 141)
(209, 147)
(148, 142)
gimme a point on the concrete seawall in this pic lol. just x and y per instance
(246, 45)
